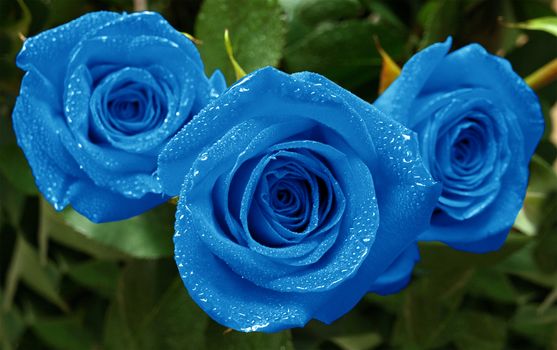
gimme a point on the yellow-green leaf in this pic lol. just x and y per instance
(238, 70)
(192, 38)
(547, 24)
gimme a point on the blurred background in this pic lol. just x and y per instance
(66, 283)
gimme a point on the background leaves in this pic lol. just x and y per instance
(253, 48)
(68, 284)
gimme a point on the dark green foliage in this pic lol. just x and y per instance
(68, 284)
(253, 47)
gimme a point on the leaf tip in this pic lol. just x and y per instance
(389, 69)
(238, 70)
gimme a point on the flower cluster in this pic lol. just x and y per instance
(296, 198)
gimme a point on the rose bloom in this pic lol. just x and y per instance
(296, 199)
(101, 97)
(478, 124)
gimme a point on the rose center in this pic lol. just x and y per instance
(290, 199)
(296, 197)
(128, 102)
(468, 147)
(463, 150)
(126, 109)
(133, 108)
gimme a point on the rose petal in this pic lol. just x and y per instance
(37, 121)
(473, 66)
(405, 196)
(48, 52)
(148, 24)
(398, 98)
(173, 165)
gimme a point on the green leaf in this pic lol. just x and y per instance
(25, 266)
(117, 334)
(163, 316)
(493, 285)
(364, 341)
(100, 276)
(12, 202)
(61, 11)
(432, 253)
(522, 264)
(545, 249)
(12, 327)
(538, 326)
(160, 316)
(145, 236)
(353, 323)
(218, 338)
(430, 304)
(546, 24)
(344, 52)
(15, 168)
(335, 38)
(177, 320)
(315, 11)
(254, 47)
(354, 328)
(505, 40)
(431, 301)
(59, 231)
(479, 331)
(148, 235)
(543, 178)
(439, 18)
(390, 303)
(381, 12)
(63, 333)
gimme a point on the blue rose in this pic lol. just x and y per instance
(291, 207)
(101, 97)
(478, 124)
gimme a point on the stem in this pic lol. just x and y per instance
(139, 5)
(12, 277)
(43, 234)
(543, 76)
(548, 301)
